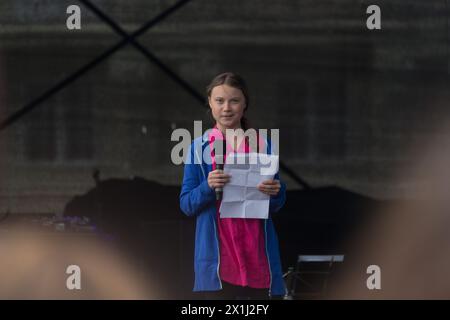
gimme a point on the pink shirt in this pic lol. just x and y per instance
(243, 259)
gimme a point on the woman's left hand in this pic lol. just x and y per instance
(269, 187)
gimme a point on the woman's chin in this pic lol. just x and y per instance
(229, 124)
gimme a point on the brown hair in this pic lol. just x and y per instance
(233, 80)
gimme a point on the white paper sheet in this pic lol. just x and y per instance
(241, 198)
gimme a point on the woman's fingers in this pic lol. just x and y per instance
(217, 178)
(218, 173)
(269, 187)
(270, 184)
(222, 178)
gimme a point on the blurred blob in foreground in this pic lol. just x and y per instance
(2, 89)
(410, 240)
(33, 266)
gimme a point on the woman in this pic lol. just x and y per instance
(234, 258)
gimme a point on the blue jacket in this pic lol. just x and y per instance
(198, 200)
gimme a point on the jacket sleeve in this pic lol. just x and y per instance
(195, 194)
(277, 202)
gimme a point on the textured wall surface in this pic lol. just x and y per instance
(353, 106)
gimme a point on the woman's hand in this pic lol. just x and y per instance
(217, 179)
(269, 187)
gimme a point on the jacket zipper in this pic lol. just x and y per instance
(218, 252)
(268, 260)
(217, 239)
(215, 229)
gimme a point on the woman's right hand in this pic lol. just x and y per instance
(217, 179)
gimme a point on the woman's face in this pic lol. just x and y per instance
(227, 106)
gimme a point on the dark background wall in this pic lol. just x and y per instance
(351, 104)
